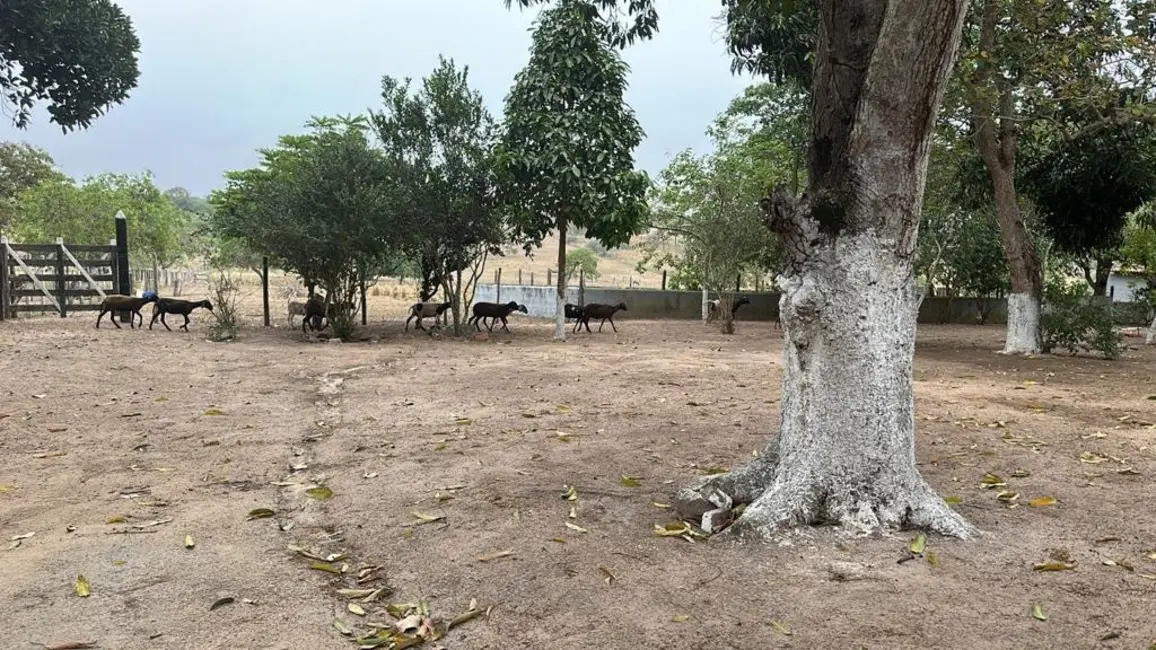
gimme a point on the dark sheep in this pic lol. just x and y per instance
(177, 306)
(124, 303)
(494, 312)
(317, 311)
(603, 312)
(572, 311)
(420, 310)
(712, 308)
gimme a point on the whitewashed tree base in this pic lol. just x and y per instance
(849, 344)
(1023, 324)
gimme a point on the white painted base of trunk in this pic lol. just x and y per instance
(560, 317)
(1151, 337)
(845, 452)
(1023, 324)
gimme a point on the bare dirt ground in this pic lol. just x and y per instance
(119, 426)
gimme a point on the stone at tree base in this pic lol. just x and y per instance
(847, 571)
(706, 504)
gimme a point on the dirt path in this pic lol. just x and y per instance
(487, 436)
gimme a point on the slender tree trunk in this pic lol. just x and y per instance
(996, 137)
(1103, 274)
(705, 306)
(1150, 338)
(845, 448)
(560, 303)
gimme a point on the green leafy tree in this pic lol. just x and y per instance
(22, 167)
(320, 205)
(84, 214)
(582, 260)
(79, 56)
(1138, 251)
(845, 448)
(1055, 70)
(1085, 189)
(444, 137)
(566, 157)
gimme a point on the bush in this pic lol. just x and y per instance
(1079, 323)
(225, 292)
(597, 247)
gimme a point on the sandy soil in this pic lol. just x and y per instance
(117, 426)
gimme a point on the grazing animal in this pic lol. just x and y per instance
(177, 306)
(712, 307)
(295, 308)
(124, 303)
(494, 312)
(572, 311)
(420, 310)
(317, 309)
(603, 312)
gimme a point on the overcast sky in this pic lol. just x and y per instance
(220, 78)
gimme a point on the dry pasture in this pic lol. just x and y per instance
(116, 444)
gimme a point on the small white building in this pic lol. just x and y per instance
(1123, 285)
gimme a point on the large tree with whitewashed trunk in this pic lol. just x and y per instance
(845, 447)
(566, 156)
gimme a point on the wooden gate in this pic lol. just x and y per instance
(37, 278)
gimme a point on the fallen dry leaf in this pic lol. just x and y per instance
(1038, 612)
(918, 544)
(571, 493)
(424, 518)
(260, 513)
(576, 527)
(189, 542)
(325, 566)
(673, 529)
(214, 411)
(631, 481)
(992, 480)
(356, 609)
(680, 618)
(1042, 502)
(489, 557)
(82, 587)
(319, 492)
(341, 627)
(781, 628)
(1054, 566)
(610, 578)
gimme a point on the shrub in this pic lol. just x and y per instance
(1079, 323)
(226, 294)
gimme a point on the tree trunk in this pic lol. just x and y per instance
(845, 448)
(996, 137)
(1150, 338)
(560, 303)
(1027, 281)
(1103, 273)
(705, 306)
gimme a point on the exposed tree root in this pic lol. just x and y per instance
(779, 501)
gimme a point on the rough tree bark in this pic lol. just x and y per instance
(994, 125)
(845, 448)
(560, 304)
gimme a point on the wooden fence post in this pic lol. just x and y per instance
(61, 285)
(549, 277)
(498, 284)
(364, 306)
(664, 279)
(123, 279)
(4, 298)
(265, 288)
(531, 278)
(519, 277)
(581, 286)
(739, 283)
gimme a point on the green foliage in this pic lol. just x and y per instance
(1078, 322)
(225, 294)
(444, 137)
(84, 214)
(321, 205)
(640, 20)
(78, 55)
(1085, 188)
(567, 152)
(585, 260)
(709, 228)
(22, 167)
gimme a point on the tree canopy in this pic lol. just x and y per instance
(78, 56)
(566, 156)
